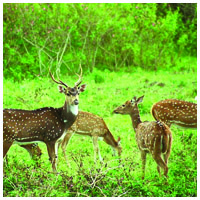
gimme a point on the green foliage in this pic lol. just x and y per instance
(98, 76)
(81, 177)
(104, 36)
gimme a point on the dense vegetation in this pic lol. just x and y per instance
(126, 50)
(104, 36)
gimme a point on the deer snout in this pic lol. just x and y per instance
(115, 111)
(76, 102)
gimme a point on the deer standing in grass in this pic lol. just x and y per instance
(48, 125)
(152, 137)
(178, 112)
(95, 127)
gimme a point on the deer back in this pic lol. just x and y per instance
(171, 111)
(89, 124)
(93, 125)
(42, 124)
(153, 137)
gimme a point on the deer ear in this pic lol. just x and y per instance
(82, 88)
(61, 89)
(140, 99)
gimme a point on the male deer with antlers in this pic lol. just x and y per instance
(152, 137)
(95, 127)
(178, 112)
(48, 125)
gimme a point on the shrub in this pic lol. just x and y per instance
(106, 36)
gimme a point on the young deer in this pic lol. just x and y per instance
(95, 127)
(172, 111)
(152, 137)
(47, 124)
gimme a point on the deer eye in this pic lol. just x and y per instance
(123, 105)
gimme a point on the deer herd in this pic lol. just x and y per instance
(55, 126)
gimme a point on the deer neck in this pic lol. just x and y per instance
(135, 118)
(69, 113)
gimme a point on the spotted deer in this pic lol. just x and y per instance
(48, 124)
(88, 124)
(178, 112)
(152, 137)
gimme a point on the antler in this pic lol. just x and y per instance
(58, 82)
(80, 77)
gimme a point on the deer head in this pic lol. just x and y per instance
(71, 93)
(129, 106)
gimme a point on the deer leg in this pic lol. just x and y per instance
(158, 169)
(34, 150)
(96, 148)
(51, 148)
(6, 159)
(161, 164)
(167, 154)
(143, 156)
(65, 142)
(6, 147)
(107, 141)
(166, 157)
(114, 151)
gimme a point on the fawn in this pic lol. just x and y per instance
(152, 137)
(95, 127)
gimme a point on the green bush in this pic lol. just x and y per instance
(106, 36)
